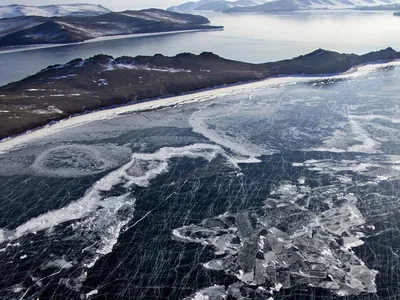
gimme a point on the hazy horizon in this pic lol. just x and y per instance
(115, 5)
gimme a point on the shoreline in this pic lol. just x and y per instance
(208, 94)
(106, 38)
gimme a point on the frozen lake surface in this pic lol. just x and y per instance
(285, 191)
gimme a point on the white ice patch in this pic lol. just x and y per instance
(149, 166)
(369, 145)
(301, 180)
(58, 264)
(325, 236)
(285, 189)
(244, 160)
(94, 200)
(79, 160)
(352, 242)
(199, 296)
(102, 82)
(17, 288)
(237, 144)
(379, 168)
(100, 217)
(63, 77)
(210, 293)
(50, 110)
(92, 293)
(354, 136)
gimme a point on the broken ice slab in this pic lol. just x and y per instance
(352, 242)
(243, 223)
(216, 292)
(289, 245)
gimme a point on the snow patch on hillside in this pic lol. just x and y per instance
(13, 11)
(277, 5)
(217, 5)
(156, 16)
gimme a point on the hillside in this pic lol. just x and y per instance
(62, 10)
(293, 5)
(34, 30)
(215, 5)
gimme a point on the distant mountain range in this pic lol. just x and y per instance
(62, 10)
(215, 5)
(33, 30)
(293, 5)
(393, 6)
(285, 5)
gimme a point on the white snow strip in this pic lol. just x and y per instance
(92, 293)
(105, 38)
(112, 67)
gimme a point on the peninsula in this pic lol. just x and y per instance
(81, 86)
(39, 30)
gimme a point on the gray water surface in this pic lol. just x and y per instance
(247, 37)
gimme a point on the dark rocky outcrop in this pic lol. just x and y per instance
(45, 33)
(101, 81)
(328, 62)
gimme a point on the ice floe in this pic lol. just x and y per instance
(299, 237)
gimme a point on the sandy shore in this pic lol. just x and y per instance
(206, 95)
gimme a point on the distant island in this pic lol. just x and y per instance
(250, 6)
(79, 86)
(215, 5)
(82, 26)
